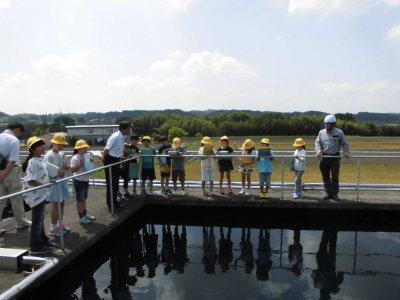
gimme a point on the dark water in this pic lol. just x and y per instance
(203, 262)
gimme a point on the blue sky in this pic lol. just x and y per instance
(279, 55)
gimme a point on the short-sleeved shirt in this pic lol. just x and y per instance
(55, 158)
(206, 163)
(165, 160)
(225, 161)
(9, 146)
(37, 171)
(331, 143)
(178, 162)
(265, 164)
(148, 161)
(75, 161)
(115, 144)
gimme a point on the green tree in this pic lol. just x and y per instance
(177, 132)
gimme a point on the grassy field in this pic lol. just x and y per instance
(372, 170)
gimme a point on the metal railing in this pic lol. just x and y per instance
(282, 158)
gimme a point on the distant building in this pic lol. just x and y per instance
(94, 134)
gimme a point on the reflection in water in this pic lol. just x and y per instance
(315, 268)
(325, 277)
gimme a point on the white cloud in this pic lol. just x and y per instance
(4, 4)
(215, 63)
(181, 80)
(393, 33)
(180, 5)
(325, 7)
(16, 80)
(366, 88)
(69, 64)
(392, 2)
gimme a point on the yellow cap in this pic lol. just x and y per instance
(248, 144)
(146, 137)
(81, 144)
(33, 140)
(299, 143)
(176, 142)
(59, 139)
(207, 141)
(265, 141)
(224, 138)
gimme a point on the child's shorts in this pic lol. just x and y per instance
(207, 175)
(148, 174)
(178, 175)
(265, 179)
(59, 192)
(81, 189)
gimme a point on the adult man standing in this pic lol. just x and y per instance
(10, 173)
(328, 144)
(113, 152)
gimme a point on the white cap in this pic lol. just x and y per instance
(329, 119)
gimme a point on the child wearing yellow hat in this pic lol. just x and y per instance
(81, 183)
(36, 175)
(59, 192)
(178, 164)
(246, 166)
(207, 165)
(148, 173)
(265, 167)
(225, 164)
(299, 165)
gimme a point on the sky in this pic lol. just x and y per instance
(270, 55)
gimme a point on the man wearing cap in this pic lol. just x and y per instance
(113, 152)
(10, 173)
(328, 144)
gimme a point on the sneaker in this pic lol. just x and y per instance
(85, 220)
(295, 196)
(230, 192)
(24, 223)
(57, 231)
(42, 250)
(326, 197)
(205, 194)
(91, 217)
(262, 195)
(242, 192)
(248, 193)
(2, 231)
(335, 197)
(52, 244)
(266, 195)
(128, 196)
(182, 193)
(221, 191)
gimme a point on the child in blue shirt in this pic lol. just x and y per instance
(147, 154)
(265, 167)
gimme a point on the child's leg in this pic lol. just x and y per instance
(143, 185)
(243, 176)
(182, 178)
(228, 178)
(151, 185)
(248, 180)
(162, 182)
(167, 182)
(211, 186)
(54, 214)
(267, 182)
(221, 179)
(134, 185)
(203, 185)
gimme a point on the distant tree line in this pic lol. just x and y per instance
(213, 123)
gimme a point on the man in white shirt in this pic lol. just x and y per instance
(112, 153)
(10, 173)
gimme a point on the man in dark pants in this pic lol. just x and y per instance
(328, 144)
(113, 152)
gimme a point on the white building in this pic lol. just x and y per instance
(94, 134)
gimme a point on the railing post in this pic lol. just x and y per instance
(358, 179)
(282, 175)
(60, 224)
(110, 177)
